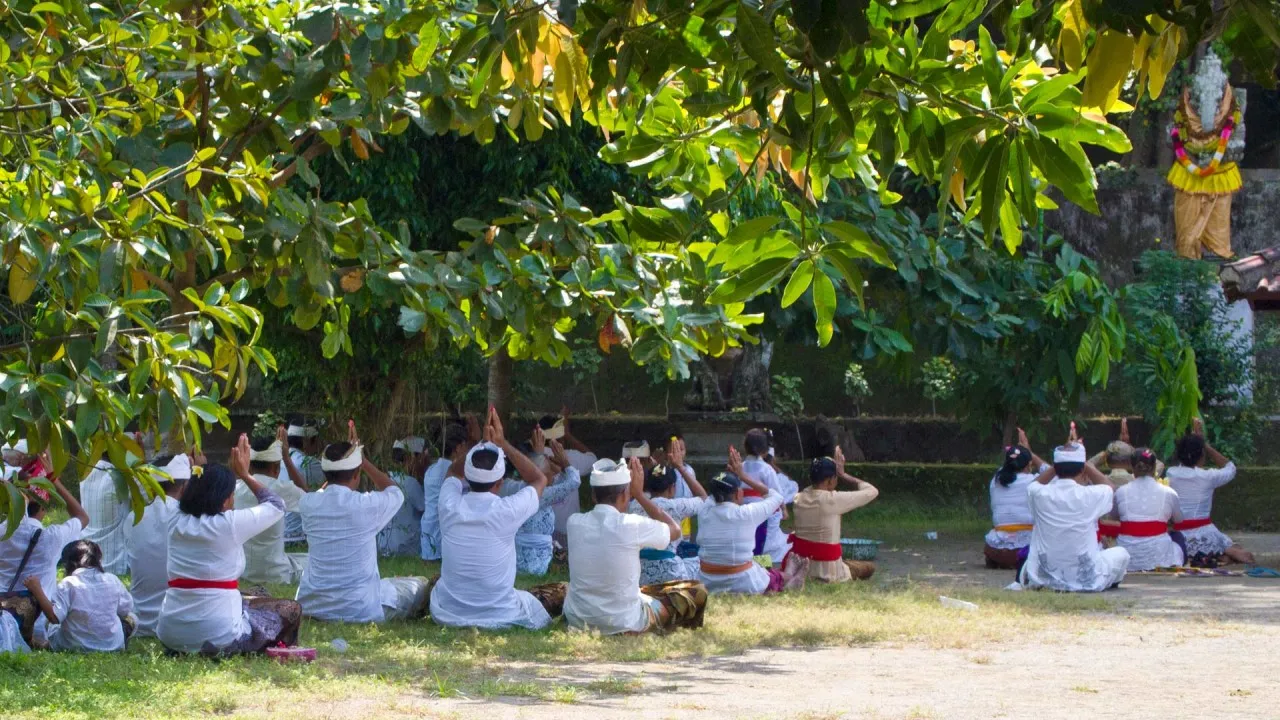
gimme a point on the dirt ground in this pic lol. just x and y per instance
(1177, 647)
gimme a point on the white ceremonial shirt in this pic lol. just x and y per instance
(727, 536)
(1146, 500)
(148, 560)
(571, 505)
(265, 558)
(44, 558)
(90, 605)
(432, 481)
(403, 534)
(477, 579)
(776, 542)
(1065, 554)
(313, 476)
(210, 547)
(341, 581)
(604, 569)
(1010, 506)
(106, 502)
(1195, 487)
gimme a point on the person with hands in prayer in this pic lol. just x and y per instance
(341, 581)
(1066, 502)
(604, 560)
(818, 510)
(476, 587)
(534, 544)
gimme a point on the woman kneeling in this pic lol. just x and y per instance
(1010, 510)
(727, 537)
(817, 510)
(203, 610)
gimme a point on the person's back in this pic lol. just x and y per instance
(91, 605)
(1064, 553)
(604, 569)
(775, 544)
(432, 482)
(210, 548)
(403, 533)
(1195, 487)
(341, 581)
(265, 558)
(477, 577)
(1009, 504)
(148, 560)
(108, 510)
(43, 562)
(1145, 508)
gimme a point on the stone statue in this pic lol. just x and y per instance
(1208, 138)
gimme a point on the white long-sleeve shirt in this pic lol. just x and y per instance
(727, 536)
(148, 559)
(108, 512)
(1146, 500)
(341, 581)
(209, 547)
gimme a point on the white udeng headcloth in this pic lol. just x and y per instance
(273, 453)
(607, 473)
(352, 460)
(302, 431)
(636, 450)
(555, 432)
(486, 477)
(179, 468)
(1070, 453)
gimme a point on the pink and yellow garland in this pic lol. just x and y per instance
(1224, 136)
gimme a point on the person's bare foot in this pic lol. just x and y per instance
(1238, 554)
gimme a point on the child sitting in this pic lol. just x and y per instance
(91, 610)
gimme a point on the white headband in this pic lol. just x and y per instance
(352, 460)
(302, 431)
(631, 450)
(179, 468)
(1070, 453)
(485, 477)
(273, 453)
(413, 444)
(607, 473)
(555, 432)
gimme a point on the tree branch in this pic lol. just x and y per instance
(314, 151)
(224, 278)
(159, 282)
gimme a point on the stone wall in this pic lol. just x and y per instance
(1137, 215)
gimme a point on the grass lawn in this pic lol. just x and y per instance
(419, 657)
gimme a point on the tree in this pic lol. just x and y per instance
(148, 152)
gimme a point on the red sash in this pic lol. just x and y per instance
(189, 584)
(1192, 524)
(750, 492)
(1107, 529)
(822, 552)
(1144, 528)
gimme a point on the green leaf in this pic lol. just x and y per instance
(992, 68)
(848, 269)
(836, 99)
(331, 344)
(208, 410)
(824, 306)
(798, 283)
(908, 9)
(752, 228)
(17, 508)
(428, 41)
(750, 282)
(1010, 227)
(757, 38)
(1061, 124)
(857, 243)
(48, 7)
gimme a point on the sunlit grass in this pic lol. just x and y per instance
(399, 662)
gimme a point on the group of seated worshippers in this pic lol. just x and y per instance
(1070, 527)
(218, 526)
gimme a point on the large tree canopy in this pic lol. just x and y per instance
(157, 162)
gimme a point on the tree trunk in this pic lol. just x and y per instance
(1010, 427)
(500, 382)
(751, 378)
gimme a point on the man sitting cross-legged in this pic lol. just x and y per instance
(604, 561)
(341, 581)
(265, 560)
(478, 531)
(1064, 554)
